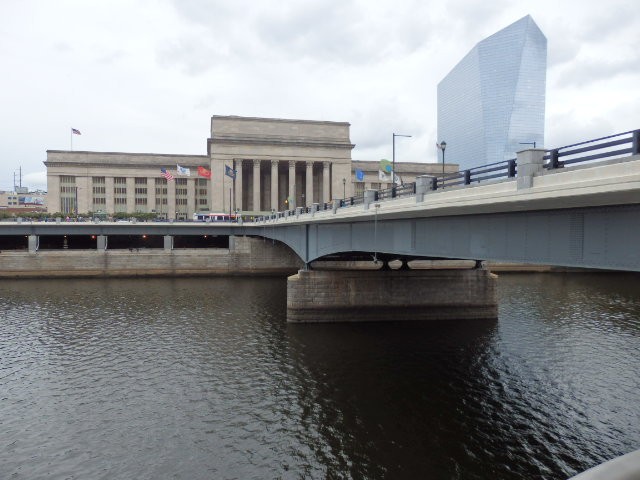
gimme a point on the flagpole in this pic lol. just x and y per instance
(71, 138)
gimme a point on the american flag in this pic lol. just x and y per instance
(76, 131)
(166, 174)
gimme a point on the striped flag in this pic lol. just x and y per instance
(166, 174)
(75, 131)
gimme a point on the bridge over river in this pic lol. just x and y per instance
(575, 206)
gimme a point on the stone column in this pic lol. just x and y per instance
(151, 194)
(274, 185)
(238, 166)
(326, 182)
(171, 200)
(84, 194)
(191, 197)
(53, 195)
(309, 186)
(292, 185)
(256, 186)
(131, 195)
(168, 242)
(109, 194)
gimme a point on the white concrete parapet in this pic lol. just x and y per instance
(626, 467)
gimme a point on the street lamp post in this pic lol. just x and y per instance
(344, 189)
(393, 157)
(443, 146)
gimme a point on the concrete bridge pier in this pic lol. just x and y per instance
(386, 295)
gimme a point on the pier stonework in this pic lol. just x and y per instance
(361, 295)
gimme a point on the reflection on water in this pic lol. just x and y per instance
(202, 378)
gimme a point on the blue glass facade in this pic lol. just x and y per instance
(494, 99)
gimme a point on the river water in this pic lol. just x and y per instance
(203, 379)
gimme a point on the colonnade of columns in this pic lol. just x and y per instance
(280, 184)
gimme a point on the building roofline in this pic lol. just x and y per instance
(282, 120)
(127, 153)
(402, 163)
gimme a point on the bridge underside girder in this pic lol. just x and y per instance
(598, 237)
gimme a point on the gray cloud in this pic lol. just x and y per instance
(136, 78)
(586, 72)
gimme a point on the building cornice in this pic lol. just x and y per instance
(279, 141)
(128, 154)
(278, 120)
(65, 158)
(125, 166)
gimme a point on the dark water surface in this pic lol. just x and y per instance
(202, 378)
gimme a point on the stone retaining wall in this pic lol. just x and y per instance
(245, 256)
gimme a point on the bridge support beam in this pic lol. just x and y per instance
(101, 242)
(33, 243)
(359, 295)
(168, 243)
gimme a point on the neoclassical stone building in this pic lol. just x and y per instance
(255, 165)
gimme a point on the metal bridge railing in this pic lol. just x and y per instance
(604, 147)
(588, 151)
(504, 169)
(404, 190)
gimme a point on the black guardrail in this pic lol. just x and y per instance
(504, 169)
(605, 147)
(596, 149)
(406, 189)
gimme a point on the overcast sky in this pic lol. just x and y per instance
(146, 76)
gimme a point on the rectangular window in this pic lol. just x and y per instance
(358, 188)
(68, 179)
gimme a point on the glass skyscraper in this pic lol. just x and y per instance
(492, 103)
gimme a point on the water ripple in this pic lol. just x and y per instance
(203, 378)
